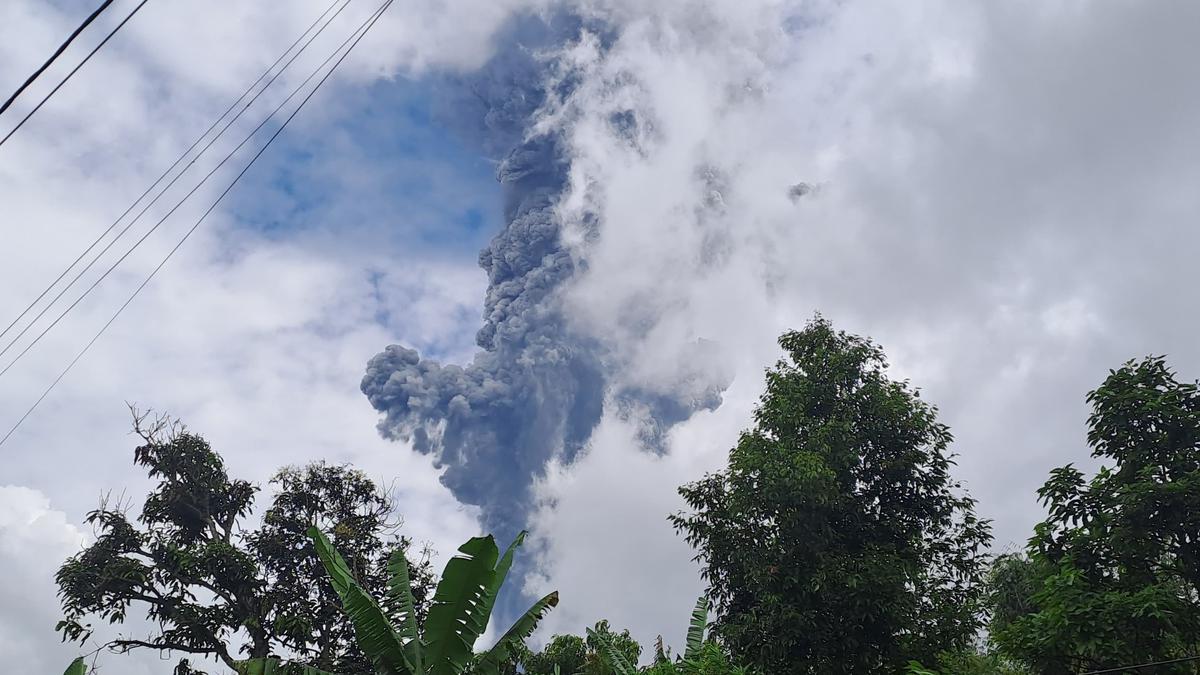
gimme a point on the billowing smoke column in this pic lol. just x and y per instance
(536, 390)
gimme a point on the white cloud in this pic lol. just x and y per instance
(602, 536)
(1005, 207)
(1007, 204)
(34, 539)
(30, 535)
(256, 341)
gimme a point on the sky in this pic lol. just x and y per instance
(1003, 197)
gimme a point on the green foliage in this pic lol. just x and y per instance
(696, 628)
(359, 516)
(836, 540)
(708, 659)
(213, 587)
(602, 652)
(1115, 566)
(611, 658)
(462, 607)
(968, 662)
(608, 650)
(566, 653)
(700, 657)
(1013, 581)
(77, 667)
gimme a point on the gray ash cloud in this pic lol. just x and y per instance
(536, 389)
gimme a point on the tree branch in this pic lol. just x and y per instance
(123, 645)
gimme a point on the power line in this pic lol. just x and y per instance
(58, 52)
(361, 32)
(1142, 665)
(172, 167)
(72, 73)
(162, 220)
(152, 202)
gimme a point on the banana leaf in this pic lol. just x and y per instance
(615, 659)
(374, 633)
(695, 634)
(399, 596)
(523, 628)
(453, 625)
(483, 611)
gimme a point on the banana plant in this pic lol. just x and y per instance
(696, 628)
(692, 649)
(462, 607)
(612, 656)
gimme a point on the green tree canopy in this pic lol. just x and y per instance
(215, 588)
(591, 655)
(836, 541)
(566, 653)
(605, 652)
(1115, 566)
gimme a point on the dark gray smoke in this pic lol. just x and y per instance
(536, 390)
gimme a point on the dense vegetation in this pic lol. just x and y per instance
(835, 541)
(1112, 575)
(214, 588)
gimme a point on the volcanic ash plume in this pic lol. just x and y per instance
(538, 387)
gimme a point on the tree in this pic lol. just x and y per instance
(361, 518)
(591, 655)
(700, 656)
(969, 662)
(836, 540)
(215, 588)
(564, 653)
(709, 659)
(391, 636)
(1013, 582)
(1116, 564)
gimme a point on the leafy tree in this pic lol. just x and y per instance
(1116, 565)
(700, 656)
(575, 655)
(1013, 581)
(392, 638)
(604, 644)
(969, 662)
(359, 515)
(215, 588)
(836, 540)
(709, 659)
(567, 653)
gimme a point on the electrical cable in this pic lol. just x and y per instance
(1139, 666)
(72, 73)
(138, 217)
(58, 52)
(162, 220)
(169, 170)
(361, 33)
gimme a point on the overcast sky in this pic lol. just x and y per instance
(1006, 201)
